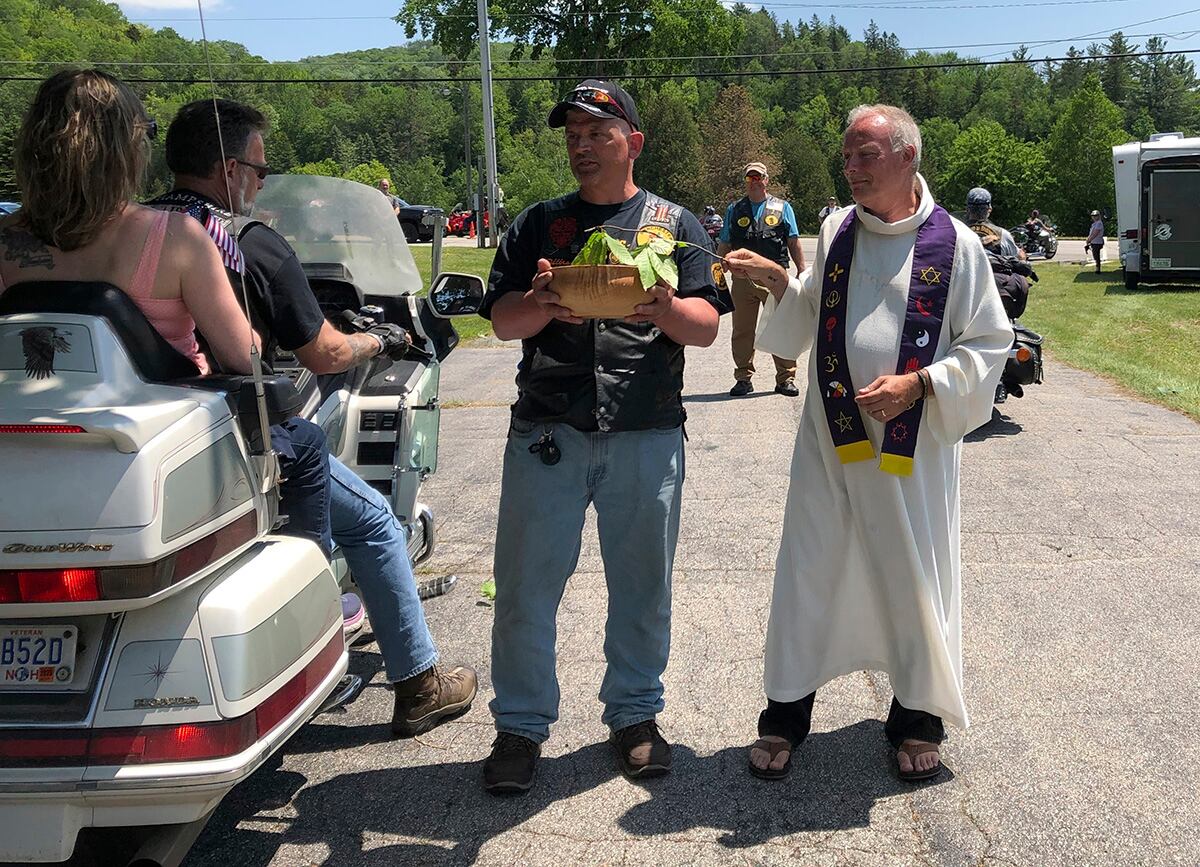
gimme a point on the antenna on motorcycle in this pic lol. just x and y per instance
(269, 468)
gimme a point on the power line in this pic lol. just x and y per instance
(902, 6)
(664, 76)
(1110, 32)
(753, 7)
(1186, 34)
(899, 5)
(557, 61)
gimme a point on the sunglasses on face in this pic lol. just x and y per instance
(261, 171)
(754, 176)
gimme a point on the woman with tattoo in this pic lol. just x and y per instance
(80, 158)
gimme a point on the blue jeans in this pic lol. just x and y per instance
(634, 480)
(374, 544)
(304, 489)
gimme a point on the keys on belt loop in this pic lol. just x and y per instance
(546, 448)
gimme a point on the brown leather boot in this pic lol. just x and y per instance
(431, 697)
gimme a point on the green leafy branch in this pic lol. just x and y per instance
(653, 260)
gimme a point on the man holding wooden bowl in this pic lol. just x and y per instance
(598, 420)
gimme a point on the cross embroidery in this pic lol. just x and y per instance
(837, 271)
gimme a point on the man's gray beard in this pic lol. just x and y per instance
(239, 206)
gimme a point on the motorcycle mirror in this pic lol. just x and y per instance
(455, 294)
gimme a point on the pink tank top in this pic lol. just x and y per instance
(169, 316)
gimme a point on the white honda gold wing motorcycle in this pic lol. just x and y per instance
(158, 640)
(381, 417)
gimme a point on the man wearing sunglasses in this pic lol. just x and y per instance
(598, 420)
(218, 176)
(765, 225)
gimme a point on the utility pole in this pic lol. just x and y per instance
(489, 119)
(472, 206)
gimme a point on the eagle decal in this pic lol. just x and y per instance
(39, 346)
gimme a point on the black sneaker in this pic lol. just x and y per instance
(509, 770)
(787, 388)
(642, 751)
(741, 388)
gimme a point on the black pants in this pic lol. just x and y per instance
(1096, 248)
(793, 719)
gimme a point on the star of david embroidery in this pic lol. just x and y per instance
(837, 271)
(930, 275)
(844, 422)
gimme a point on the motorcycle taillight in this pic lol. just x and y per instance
(49, 585)
(126, 582)
(41, 429)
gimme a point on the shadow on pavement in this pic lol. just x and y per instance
(443, 816)
(999, 425)
(724, 395)
(441, 809)
(837, 778)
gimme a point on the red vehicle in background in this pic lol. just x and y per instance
(459, 222)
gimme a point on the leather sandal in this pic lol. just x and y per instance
(773, 749)
(914, 750)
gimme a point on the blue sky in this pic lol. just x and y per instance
(357, 24)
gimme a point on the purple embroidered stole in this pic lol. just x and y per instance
(933, 257)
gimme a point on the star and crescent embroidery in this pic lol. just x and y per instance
(933, 257)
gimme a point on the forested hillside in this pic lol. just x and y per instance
(1038, 133)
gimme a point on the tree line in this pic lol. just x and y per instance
(721, 87)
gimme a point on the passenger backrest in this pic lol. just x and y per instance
(153, 358)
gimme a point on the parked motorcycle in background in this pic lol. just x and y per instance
(1024, 364)
(1041, 242)
(712, 222)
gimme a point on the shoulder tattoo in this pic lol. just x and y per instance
(24, 248)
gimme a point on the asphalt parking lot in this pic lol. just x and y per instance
(1081, 555)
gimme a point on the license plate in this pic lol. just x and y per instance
(34, 656)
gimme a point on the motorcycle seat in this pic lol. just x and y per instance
(153, 359)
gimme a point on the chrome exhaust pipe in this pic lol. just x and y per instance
(422, 539)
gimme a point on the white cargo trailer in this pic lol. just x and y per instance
(1158, 209)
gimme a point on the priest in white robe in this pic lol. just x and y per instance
(905, 362)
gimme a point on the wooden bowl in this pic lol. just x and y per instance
(599, 291)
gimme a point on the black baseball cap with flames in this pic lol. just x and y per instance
(601, 98)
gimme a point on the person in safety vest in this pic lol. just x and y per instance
(766, 225)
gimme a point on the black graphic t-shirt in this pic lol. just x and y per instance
(605, 374)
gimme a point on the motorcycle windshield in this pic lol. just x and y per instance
(333, 221)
